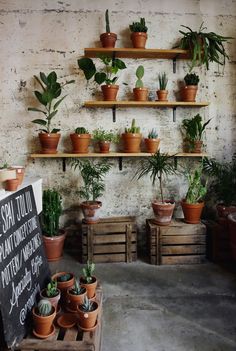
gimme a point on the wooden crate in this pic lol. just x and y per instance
(111, 240)
(178, 243)
(72, 339)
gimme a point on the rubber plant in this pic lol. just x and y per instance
(140, 92)
(108, 39)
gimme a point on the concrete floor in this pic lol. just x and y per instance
(165, 308)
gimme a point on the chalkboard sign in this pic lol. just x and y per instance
(24, 269)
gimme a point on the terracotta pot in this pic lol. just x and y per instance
(109, 92)
(88, 319)
(192, 212)
(54, 246)
(152, 145)
(20, 172)
(104, 146)
(90, 287)
(12, 184)
(91, 211)
(162, 95)
(43, 324)
(108, 40)
(140, 94)
(64, 286)
(232, 233)
(6, 174)
(139, 39)
(80, 143)
(53, 299)
(49, 142)
(223, 211)
(73, 301)
(197, 147)
(163, 212)
(189, 93)
(132, 142)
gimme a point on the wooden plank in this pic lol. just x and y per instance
(108, 258)
(108, 238)
(108, 228)
(91, 154)
(192, 259)
(117, 219)
(183, 249)
(112, 248)
(183, 239)
(134, 104)
(90, 244)
(178, 227)
(128, 243)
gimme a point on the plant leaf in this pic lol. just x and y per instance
(100, 77)
(55, 130)
(58, 102)
(87, 66)
(42, 122)
(36, 110)
(40, 97)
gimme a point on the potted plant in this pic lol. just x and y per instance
(64, 281)
(140, 93)
(53, 237)
(51, 90)
(204, 47)
(75, 296)
(193, 204)
(88, 313)
(132, 138)
(162, 92)
(152, 142)
(189, 92)
(139, 34)
(159, 166)
(107, 74)
(88, 280)
(108, 39)
(20, 173)
(94, 185)
(80, 140)
(8, 178)
(194, 129)
(104, 139)
(51, 293)
(43, 317)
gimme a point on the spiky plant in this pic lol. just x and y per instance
(139, 26)
(196, 189)
(81, 130)
(191, 79)
(87, 305)
(88, 272)
(133, 129)
(51, 289)
(163, 80)
(64, 277)
(153, 134)
(108, 30)
(77, 289)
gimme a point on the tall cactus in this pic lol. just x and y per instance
(108, 30)
(133, 129)
(52, 210)
(44, 307)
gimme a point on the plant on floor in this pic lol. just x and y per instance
(108, 39)
(194, 130)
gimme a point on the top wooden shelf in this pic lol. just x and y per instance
(139, 53)
(120, 103)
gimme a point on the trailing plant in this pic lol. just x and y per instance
(157, 166)
(77, 289)
(64, 277)
(81, 130)
(205, 47)
(133, 129)
(153, 134)
(107, 74)
(51, 90)
(52, 210)
(139, 26)
(163, 80)
(108, 30)
(196, 189)
(93, 177)
(51, 289)
(139, 74)
(102, 135)
(44, 308)
(194, 128)
(88, 272)
(87, 305)
(191, 79)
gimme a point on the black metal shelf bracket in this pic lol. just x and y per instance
(113, 56)
(64, 164)
(120, 163)
(114, 113)
(174, 113)
(174, 63)
(175, 162)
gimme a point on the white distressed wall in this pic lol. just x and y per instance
(47, 35)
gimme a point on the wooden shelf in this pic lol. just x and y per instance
(128, 103)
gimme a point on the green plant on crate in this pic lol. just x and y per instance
(103, 135)
(44, 307)
(43, 316)
(194, 130)
(205, 47)
(108, 39)
(64, 277)
(133, 129)
(152, 134)
(52, 210)
(81, 130)
(88, 280)
(87, 305)
(51, 289)
(88, 272)
(77, 289)
(163, 80)
(191, 79)
(139, 26)
(88, 313)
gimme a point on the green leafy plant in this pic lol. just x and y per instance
(88, 272)
(194, 128)
(51, 90)
(4, 166)
(64, 277)
(139, 26)
(163, 80)
(153, 134)
(196, 189)
(77, 289)
(103, 135)
(81, 130)
(157, 166)
(191, 79)
(107, 74)
(51, 289)
(205, 47)
(93, 177)
(108, 30)
(44, 308)
(52, 210)
(133, 129)
(139, 74)
(87, 305)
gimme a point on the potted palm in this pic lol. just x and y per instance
(51, 293)
(189, 92)
(51, 91)
(75, 296)
(108, 39)
(132, 138)
(88, 280)
(107, 75)
(80, 140)
(152, 142)
(159, 166)
(94, 185)
(139, 34)
(43, 317)
(53, 237)
(162, 92)
(88, 313)
(140, 93)
(104, 139)
(194, 130)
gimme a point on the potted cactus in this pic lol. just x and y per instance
(152, 142)
(139, 34)
(64, 281)
(140, 93)
(104, 139)
(88, 280)
(132, 138)
(43, 317)
(51, 293)
(108, 39)
(88, 313)
(162, 92)
(80, 140)
(75, 296)
(189, 92)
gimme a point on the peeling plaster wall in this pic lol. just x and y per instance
(50, 35)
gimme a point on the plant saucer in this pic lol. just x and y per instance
(89, 329)
(67, 320)
(45, 336)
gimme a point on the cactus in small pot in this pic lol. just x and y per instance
(75, 296)
(88, 313)
(162, 93)
(108, 39)
(152, 142)
(140, 93)
(43, 316)
(80, 140)
(51, 293)
(88, 280)
(189, 92)
(132, 138)
(139, 33)
(64, 281)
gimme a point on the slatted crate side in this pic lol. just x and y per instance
(185, 259)
(184, 239)
(153, 242)
(109, 238)
(115, 257)
(179, 228)
(218, 245)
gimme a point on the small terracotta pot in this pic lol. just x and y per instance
(189, 93)
(20, 172)
(132, 142)
(197, 147)
(12, 184)
(140, 94)
(192, 212)
(49, 142)
(104, 146)
(90, 287)
(64, 286)
(73, 301)
(232, 233)
(163, 212)
(54, 246)
(88, 319)
(139, 39)
(152, 145)
(109, 92)
(108, 40)
(43, 324)
(80, 143)
(91, 211)
(162, 95)
(6, 174)
(53, 299)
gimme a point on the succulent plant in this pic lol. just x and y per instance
(87, 305)
(88, 271)
(163, 80)
(139, 74)
(108, 30)
(44, 308)
(77, 289)
(81, 130)
(191, 79)
(139, 26)
(133, 129)
(153, 134)
(64, 277)
(51, 289)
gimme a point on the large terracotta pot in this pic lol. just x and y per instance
(139, 40)
(20, 172)
(162, 95)
(109, 92)
(49, 142)
(192, 212)
(73, 301)
(91, 211)
(54, 246)
(11, 184)
(152, 145)
(90, 287)
(232, 233)
(163, 212)
(140, 94)
(80, 143)
(53, 299)
(88, 320)
(108, 40)
(65, 285)
(43, 324)
(189, 93)
(104, 147)
(132, 142)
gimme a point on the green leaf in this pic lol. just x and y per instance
(36, 110)
(55, 130)
(42, 122)
(40, 97)
(119, 63)
(52, 115)
(39, 81)
(87, 66)
(100, 77)
(47, 96)
(52, 77)
(140, 72)
(43, 78)
(58, 102)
